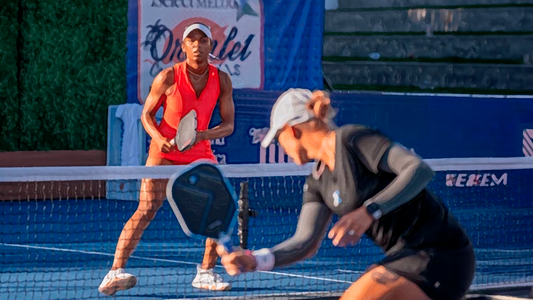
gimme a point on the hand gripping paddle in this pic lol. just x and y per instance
(186, 134)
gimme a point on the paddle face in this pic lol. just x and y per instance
(203, 201)
(186, 134)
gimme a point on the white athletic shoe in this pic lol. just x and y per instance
(117, 280)
(209, 280)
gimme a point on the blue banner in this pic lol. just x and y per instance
(262, 45)
(433, 126)
(293, 44)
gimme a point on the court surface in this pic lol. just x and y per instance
(62, 249)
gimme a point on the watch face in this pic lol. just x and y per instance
(373, 210)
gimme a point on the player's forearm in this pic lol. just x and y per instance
(218, 132)
(305, 242)
(150, 126)
(412, 177)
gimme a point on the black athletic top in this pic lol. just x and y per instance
(361, 154)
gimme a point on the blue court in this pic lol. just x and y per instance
(62, 249)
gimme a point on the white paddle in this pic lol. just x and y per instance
(186, 134)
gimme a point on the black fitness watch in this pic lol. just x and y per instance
(374, 210)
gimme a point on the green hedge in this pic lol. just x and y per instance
(9, 97)
(73, 68)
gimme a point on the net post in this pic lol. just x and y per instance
(244, 214)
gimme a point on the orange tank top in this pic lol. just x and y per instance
(180, 103)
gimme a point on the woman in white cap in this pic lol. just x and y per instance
(377, 188)
(192, 85)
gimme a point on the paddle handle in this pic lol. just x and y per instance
(173, 143)
(225, 241)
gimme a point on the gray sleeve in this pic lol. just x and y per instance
(312, 224)
(412, 176)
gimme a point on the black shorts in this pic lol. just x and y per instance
(443, 274)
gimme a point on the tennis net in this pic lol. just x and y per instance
(60, 225)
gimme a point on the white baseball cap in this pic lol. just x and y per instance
(289, 109)
(205, 29)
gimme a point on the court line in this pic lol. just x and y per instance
(488, 286)
(492, 297)
(165, 260)
(331, 294)
(350, 271)
(307, 277)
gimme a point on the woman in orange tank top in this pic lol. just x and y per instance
(179, 103)
(193, 84)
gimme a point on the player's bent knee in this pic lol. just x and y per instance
(381, 284)
(147, 215)
(149, 208)
(383, 276)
